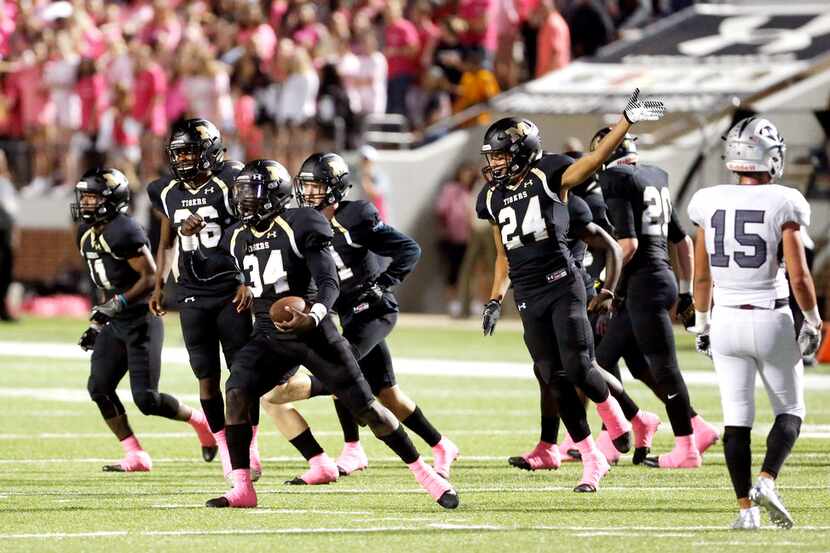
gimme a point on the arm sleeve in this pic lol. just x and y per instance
(386, 241)
(580, 215)
(313, 234)
(126, 238)
(617, 199)
(676, 232)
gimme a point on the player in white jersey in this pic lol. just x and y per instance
(740, 229)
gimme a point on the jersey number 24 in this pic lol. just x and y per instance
(532, 224)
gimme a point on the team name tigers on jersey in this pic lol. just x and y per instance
(515, 198)
(258, 246)
(194, 202)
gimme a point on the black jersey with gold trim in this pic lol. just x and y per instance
(203, 269)
(533, 221)
(277, 260)
(107, 252)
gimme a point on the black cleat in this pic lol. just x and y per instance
(519, 463)
(652, 462)
(585, 488)
(113, 468)
(296, 481)
(209, 452)
(574, 453)
(640, 454)
(218, 502)
(623, 442)
(449, 500)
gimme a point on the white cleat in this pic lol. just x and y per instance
(748, 519)
(763, 494)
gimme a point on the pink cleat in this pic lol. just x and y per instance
(134, 461)
(352, 459)
(567, 449)
(618, 427)
(322, 470)
(684, 455)
(645, 426)
(544, 456)
(444, 453)
(200, 425)
(606, 447)
(705, 434)
(440, 490)
(243, 494)
(256, 463)
(224, 456)
(594, 466)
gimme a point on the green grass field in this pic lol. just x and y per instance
(54, 497)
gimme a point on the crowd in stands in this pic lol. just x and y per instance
(87, 81)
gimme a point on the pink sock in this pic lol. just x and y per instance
(586, 447)
(254, 432)
(130, 444)
(418, 465)
(686, 443)
(197, 418)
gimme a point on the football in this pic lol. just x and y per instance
(279, 313)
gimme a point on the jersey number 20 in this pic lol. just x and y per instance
(658, 211)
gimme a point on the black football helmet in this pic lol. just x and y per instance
(112, 191)
(261, 191)
(195, 149)
(517, 138)
(626, 152)
(327, 169)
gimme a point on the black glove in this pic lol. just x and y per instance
(686, 310)
(371, 294)
(102, 314)
(702, 344)
(87, 341)
(490, 316)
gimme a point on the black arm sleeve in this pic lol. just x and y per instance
(676, 232)
(386, 241)
(323, 270)
(622, 217)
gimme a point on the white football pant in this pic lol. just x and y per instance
(746, 341)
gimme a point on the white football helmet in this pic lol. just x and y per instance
(753, 145)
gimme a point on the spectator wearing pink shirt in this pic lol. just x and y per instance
(149, 101)
(119, 135)
(91, 89)
(402, 49)
(452, 211)
(482, 30)
(253, 28)
(554, 41)
(164, 29)
(428, 32)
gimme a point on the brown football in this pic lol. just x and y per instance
(279, 313)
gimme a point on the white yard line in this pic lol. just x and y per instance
(429, 367)
(448, 527)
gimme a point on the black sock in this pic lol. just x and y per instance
(253, 413)
(780, 442)
(239, 443)
(736, 448)
(629, 407)
(677, 408)
(419, 424)
(399, 442)
(307, 445)
(550, 429)
(347, 422)
(214, 409)
(572, 413)
(317, 388)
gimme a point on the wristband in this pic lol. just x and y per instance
(684, 286)
(812, 316)
(607, 291)
(318, 311)
(122, 299)
(701, 319)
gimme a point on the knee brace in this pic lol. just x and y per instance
(377, 418)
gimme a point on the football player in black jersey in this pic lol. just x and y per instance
(368, 312)
(194, 206)
(526, 204)
(123, 335)
(283, 252)
(639, 205)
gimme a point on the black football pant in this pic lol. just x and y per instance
(642, 333)
(367, 335)
(560, 341)
(130, 343)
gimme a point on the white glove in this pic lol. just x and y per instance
(637, 110)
